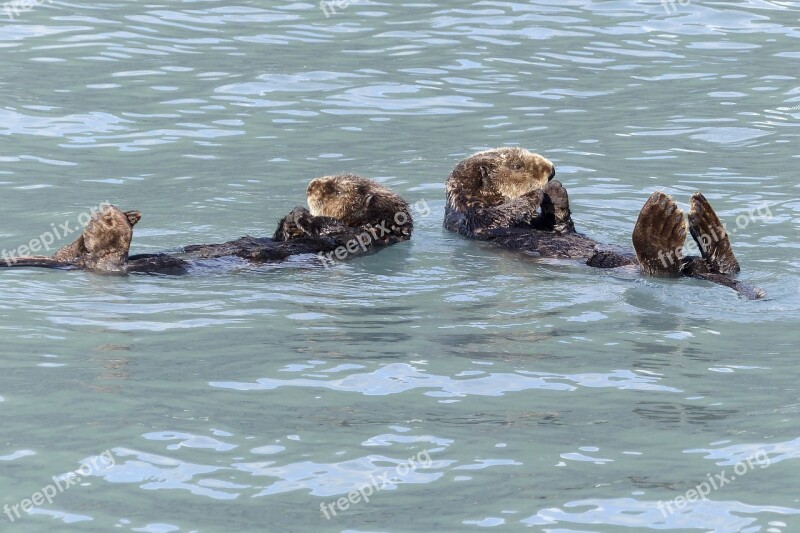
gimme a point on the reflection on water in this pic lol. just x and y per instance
(399, 378)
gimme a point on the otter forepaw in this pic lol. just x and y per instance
(556, 205)
(522, 211)
(294, 225)
(534, 198)
(133, 217)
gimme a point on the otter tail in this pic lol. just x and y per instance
(35, 261)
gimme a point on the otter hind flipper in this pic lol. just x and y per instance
(659, 235)
(711, 237)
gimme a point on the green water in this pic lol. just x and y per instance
(531, 395)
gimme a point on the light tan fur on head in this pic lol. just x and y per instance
(498, 175)
(105, 240)
(110, 230)
(354, 200)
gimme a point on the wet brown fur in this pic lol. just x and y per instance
(342, 208)
(499, 188)
(103, 246)
(492, 177)
(104, 243)
(532, 214)
(359, 202)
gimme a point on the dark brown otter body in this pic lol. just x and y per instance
(508, 196)
(349, 216)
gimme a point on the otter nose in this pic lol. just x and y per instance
(552, 174)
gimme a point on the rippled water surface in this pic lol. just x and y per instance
(461, 386)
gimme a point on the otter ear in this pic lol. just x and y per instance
(133, 217)
(369, 199)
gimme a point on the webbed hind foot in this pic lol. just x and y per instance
(659, 235)
(711, 237)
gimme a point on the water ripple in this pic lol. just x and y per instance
(398, 378)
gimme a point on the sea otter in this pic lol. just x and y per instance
(102, 247)
(508, 196)
(350, 215)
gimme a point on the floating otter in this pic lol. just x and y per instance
(508, 196)
(350, 215)
(102, 247)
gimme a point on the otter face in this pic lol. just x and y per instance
(514, 172)
(325, 196)
(110, 231)
(346, 197)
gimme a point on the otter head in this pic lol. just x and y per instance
(354, 200)
(498, 175)
(107, 238)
